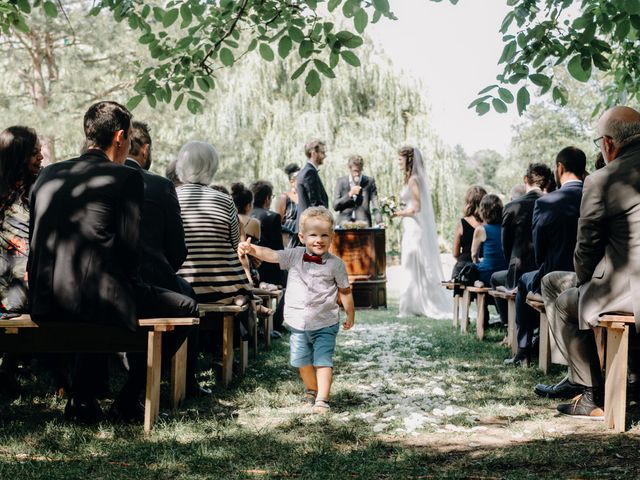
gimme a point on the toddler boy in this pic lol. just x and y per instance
(311, 311)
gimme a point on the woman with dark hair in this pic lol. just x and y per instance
(287, 204)
(243, 200)
(20, 163)
(463, 236)
(488, 236)
(422, 293)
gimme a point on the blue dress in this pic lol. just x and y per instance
(493, 259)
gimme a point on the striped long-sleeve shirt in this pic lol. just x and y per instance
(212, 235)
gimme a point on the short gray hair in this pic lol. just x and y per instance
(621, 131)
(197, 162)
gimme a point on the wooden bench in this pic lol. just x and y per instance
(615, 385)
(229, 314)
(510, 297)
(535, 301)
(74, 337)
(270, 299)
(481, 299)
(457, 299)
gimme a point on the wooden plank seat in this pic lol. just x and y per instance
(457, 299)
(535, 301)
(23, 335)
(615, 385)
(229, 314)
(480, 294)
(270, 299)
(510, 297)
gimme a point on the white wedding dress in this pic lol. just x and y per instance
(422, 292)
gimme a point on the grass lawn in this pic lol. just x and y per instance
(412, 399)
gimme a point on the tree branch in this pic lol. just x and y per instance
(203, 63)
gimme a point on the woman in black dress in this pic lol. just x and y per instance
(463, 236)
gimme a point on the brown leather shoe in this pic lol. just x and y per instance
(586, 405)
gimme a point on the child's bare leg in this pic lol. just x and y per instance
(308, 376)
(324, 377)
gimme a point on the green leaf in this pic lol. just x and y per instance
(508, 52)
(376, 16)
(622, 29)
(151, 100)
(324, 69)
(284, 46)
(333, 4)
(133, 22)
(333, 59)
(146, 38)
(313, 4)
(24, 6)
(522, 100)
(186, 15)
(577, 70)
(266, 52)
(482, 108)
(381, 5)
(306, 48)
(226, 57)
(478, 100)
(505, 95)
(194, 106)
(498, 105)
(178, 101)
(349, 40)
(539, 79)
(560, 95)
(361, 20)
(487, 89)
(300, 70)
(350, 57)
(632, 6)
(312, 83)
(170, 17)
(203, 84)
(134, 102)
(296, 34)
(601, 62)
(50, 9)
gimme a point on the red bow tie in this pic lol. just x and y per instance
(312, 258)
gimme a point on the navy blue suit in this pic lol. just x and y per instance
(555, 231)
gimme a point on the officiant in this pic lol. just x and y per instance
(355, 194)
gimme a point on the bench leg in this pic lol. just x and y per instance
(227, 349)
(466, 304)
(154, 363)
(268, 326)
(244, 355)
(544, 357)
(179, 375)
(615, 386)
(253, 325)
(512, 339)
(480, 317)
(456, 310)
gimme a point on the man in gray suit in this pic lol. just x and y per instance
(354, 193)
(607, 256)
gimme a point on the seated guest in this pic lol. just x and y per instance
(170, 173)
(287, 204)
(605, 259)
(243, 200)
(212, 229)
(270, 228)
(162, 244)
(488, 237)
(555, 222)
(517, 242)
(84, 256)
(354, 194)
(517, 191)
(463, 235)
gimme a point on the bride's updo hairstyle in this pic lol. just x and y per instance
(407, 153)
(491, 209)
(472, 201)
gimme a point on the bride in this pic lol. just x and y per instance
(421, 268)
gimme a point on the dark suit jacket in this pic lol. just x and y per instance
(607, 256)
(162, 244)
(517, 239)
(555, 226)
(271, 237)
(345, 205)
(311, 192)
(85, 231)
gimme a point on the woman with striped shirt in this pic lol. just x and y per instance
(211, 228)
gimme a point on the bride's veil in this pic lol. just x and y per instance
(426, 217)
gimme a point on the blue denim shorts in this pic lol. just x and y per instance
(313, 347)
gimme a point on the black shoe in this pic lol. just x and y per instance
(127, 411)
(520, 359)
(87, 411)
(275, 335)
(197, 390)
(564, 389)
(586, 405)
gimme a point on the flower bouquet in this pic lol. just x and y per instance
(387, 207)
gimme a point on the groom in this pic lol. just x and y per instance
(311, 192)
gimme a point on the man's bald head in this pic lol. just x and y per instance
(618, 127)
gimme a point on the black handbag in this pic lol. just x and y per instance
(467, 274)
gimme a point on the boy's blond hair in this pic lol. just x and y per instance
(316, 212)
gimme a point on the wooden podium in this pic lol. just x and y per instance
(363, 252)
